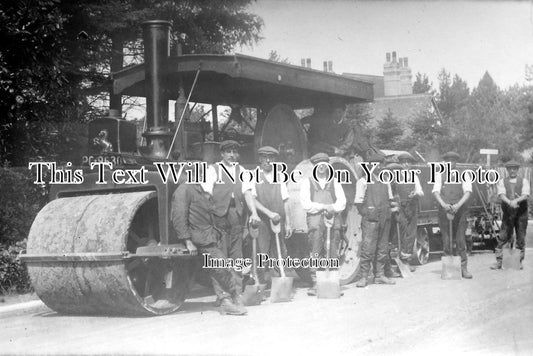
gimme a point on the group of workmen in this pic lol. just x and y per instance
(213, 217)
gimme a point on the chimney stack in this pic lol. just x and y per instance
(325, 66)
(330, 66)
(303, 62)
(397, 76)
(308, 62)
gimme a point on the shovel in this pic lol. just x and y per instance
(328, 282)
(254, 294)
(281, 289)
(511, 256)
(451, 265)
(404, 269)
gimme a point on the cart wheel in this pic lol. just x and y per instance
(421, 247)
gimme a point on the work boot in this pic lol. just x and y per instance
(361, 283)
(162, 304)
(312, 290)
(383, 280)
(228, 307)
(466, 274)
(237, 300)
(393, 274)
(497, 265)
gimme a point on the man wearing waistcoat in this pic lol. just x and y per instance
(192, 215)
(513, 192)
(228, 200)
(374, 202)
(321, 198)
(270, 203)
(407, 216)
(453, 198)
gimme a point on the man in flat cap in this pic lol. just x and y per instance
(408, 195)
(228, 197)
(322, 199)
(452, 199)
(513, 192)
(270, 203)
(374, 203)
(192, 215)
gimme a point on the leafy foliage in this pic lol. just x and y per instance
(422, 84)
(13, 273)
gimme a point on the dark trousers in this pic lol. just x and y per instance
(408, 219)
(317, 236)
(231, 242)
(459, 224)
(375, 243)
(223, 280)
(510, 222)
(266, 243)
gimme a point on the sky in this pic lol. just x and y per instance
(464, 37)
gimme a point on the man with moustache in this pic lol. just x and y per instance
(192, 215)
(270, 203)
(322, 199)
(228, 197)
(513, 192)
(375, 203)
(453, 199)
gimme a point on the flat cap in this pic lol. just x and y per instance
(267, 150)
(319, 157)
(512, 163)
(406, 157)
(226, 145)
(451, 155)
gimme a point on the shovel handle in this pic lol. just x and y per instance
(399, 238)
(276, 228)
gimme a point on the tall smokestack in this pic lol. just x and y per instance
(156, 50)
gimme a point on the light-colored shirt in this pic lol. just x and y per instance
(500, 187)
(313, 207)
(418, 187)
(269, 178)
(360, 190)
(467, 186)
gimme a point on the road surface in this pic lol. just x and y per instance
(489, 315)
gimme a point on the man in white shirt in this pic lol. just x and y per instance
(374, 202)
(513, 192)
(270, 203)
(452, 199)
(322, 198)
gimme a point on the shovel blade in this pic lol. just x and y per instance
(328, 285)
(451, 267)
(404, 269)
(511, 259)
(281, 289)
(253, 294)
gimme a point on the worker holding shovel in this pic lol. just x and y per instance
(452, 199)
(513, 192)
(321, 198)
(270, 204)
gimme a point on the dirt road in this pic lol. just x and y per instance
(489, 315)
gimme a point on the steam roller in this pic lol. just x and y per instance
(100, 254)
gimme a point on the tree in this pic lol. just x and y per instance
(56, 55)
(422, 84)
(275, 57)
(389, 132)
(453, 94)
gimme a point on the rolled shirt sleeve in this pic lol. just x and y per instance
(418, 187)
(438, 184)
(360, 191)
(340, 201)
(526, 188)
(305, 198)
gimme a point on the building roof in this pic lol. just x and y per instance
(377, 80)
(403, 107)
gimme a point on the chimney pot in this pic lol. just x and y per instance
(303, 62)
(405, 62)
(394, 56)
(330, 66)
(387, 56)
(325, 66)
(308, 61)
(400, 61)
